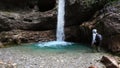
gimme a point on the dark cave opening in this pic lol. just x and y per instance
(46, 5)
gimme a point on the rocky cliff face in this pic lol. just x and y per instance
(109, 25)
(78, 11)
(41, 15)
(107, 21)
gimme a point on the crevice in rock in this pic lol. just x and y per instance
(28, 20)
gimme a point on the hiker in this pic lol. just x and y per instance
(96, 40)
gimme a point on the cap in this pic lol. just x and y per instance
(94, 30)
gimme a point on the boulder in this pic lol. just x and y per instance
(109, 62)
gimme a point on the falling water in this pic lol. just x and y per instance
(60, 29)
(60, 21)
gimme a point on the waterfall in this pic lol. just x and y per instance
(60, 21)
(60, 29)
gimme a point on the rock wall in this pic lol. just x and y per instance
(79, 11)
(107, 22)
(41, 16)
(109, 25)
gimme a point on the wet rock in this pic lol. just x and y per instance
(109, 62)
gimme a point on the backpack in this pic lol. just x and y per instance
(98, 37)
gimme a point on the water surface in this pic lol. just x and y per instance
(53, 47)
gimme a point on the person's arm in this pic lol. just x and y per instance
(93, 39)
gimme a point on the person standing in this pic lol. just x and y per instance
(96, 40)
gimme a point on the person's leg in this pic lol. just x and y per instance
(98, 46)
(94, 48)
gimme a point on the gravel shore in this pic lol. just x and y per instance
(31, 59)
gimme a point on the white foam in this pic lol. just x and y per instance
(54, 44)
